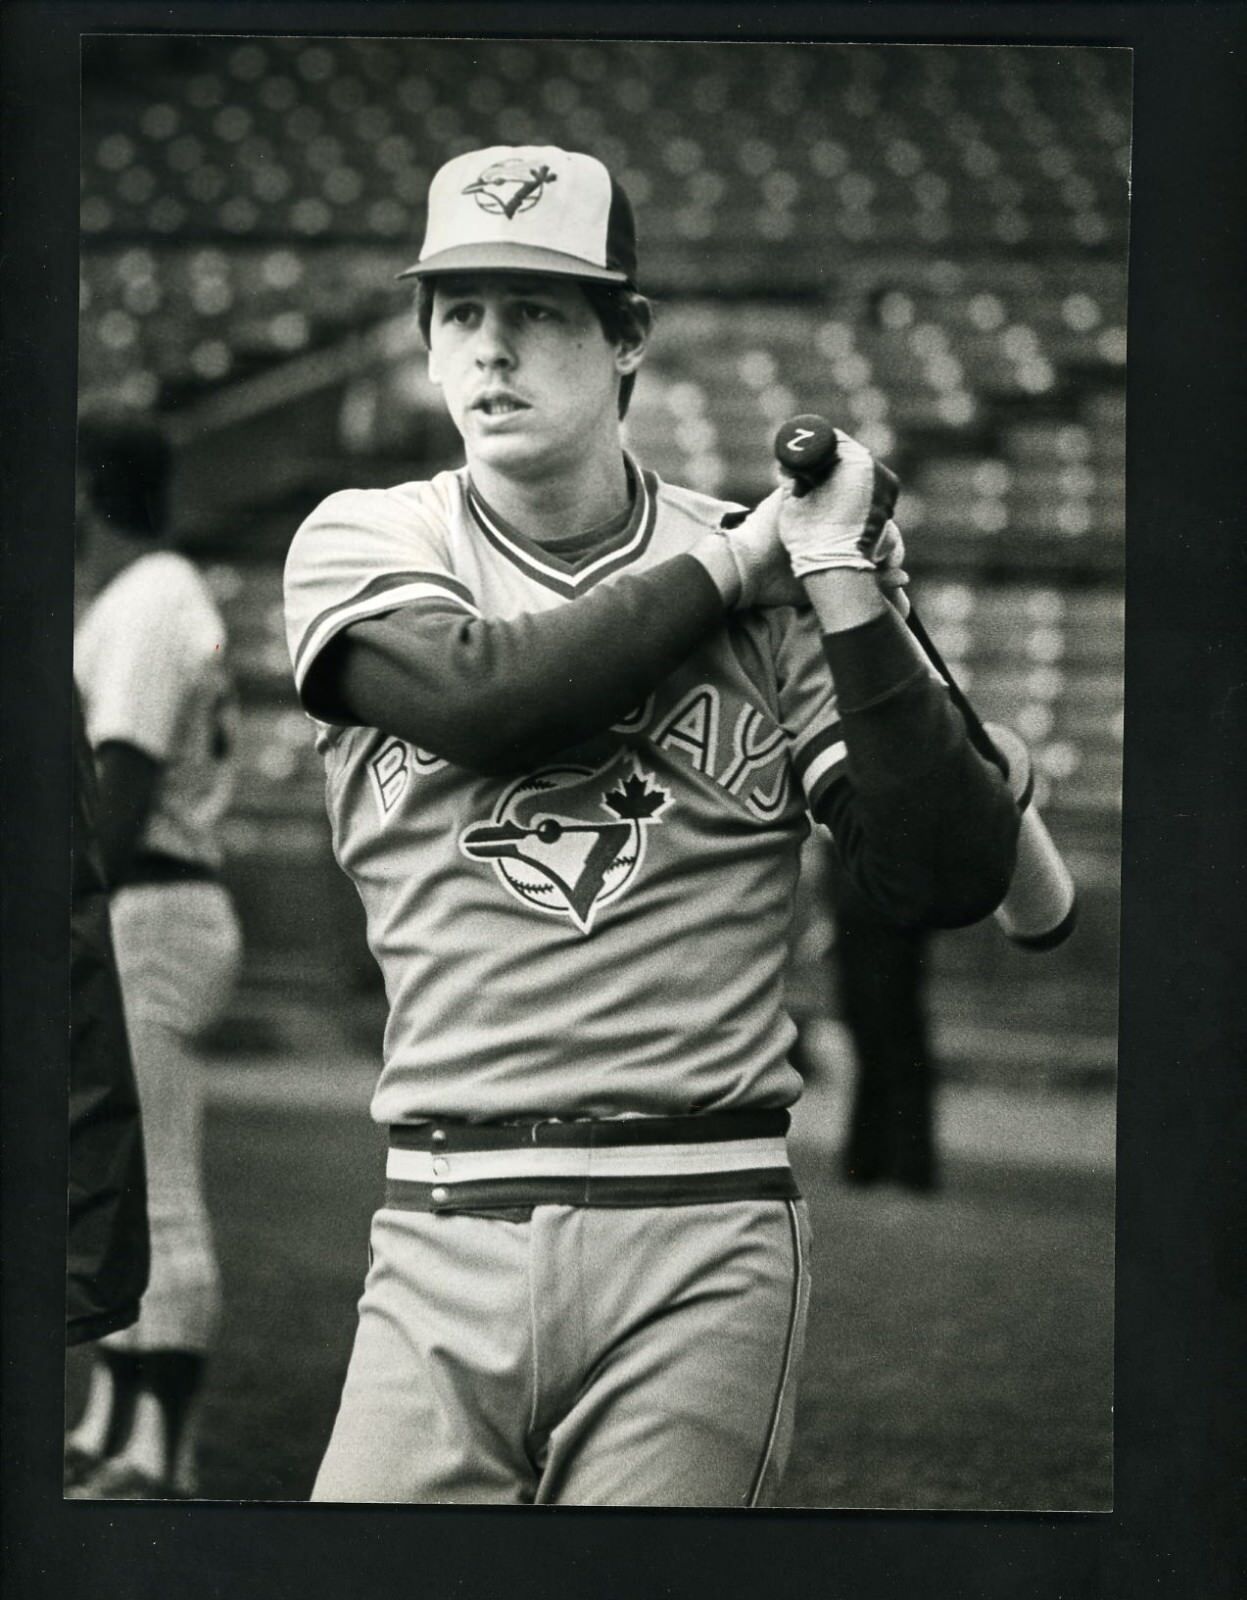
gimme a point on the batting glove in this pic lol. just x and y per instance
(841, 522)
(759, 557)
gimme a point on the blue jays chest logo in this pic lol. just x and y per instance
(568, 840)
(510, 186)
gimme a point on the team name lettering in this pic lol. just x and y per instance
(751, 763)
(757, 747)
(391, 769)
(693, 727)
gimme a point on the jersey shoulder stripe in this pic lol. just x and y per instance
(376, 598)
(365, 552)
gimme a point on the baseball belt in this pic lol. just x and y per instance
(448, 1166)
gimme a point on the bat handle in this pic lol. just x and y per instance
(1040, 908)
(806, 448)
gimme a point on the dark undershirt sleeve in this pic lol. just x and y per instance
(923, 825)
(128, 779)
(496, 696)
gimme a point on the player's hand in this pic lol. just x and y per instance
(888, 559)
(842, 521)
(760, 558)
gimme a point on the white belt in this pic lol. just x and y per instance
(611, 1161)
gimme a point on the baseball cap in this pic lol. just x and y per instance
(528, 208)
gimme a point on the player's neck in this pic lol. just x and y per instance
(558, 505)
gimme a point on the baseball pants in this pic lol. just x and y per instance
(177, 949)
(585, 1356)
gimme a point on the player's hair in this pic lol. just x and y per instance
(124, 465)
(624, 315)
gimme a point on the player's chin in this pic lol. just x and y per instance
(515, 447)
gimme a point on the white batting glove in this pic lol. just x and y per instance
(760, 559)
(840, 522)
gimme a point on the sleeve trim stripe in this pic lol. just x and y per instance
(826, 738)
(389, 589)
(384, 594)
(818, 774)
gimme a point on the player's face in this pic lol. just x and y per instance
(528, 375)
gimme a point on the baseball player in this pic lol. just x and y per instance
(573, 720)
(159, 706)
(106, 1217)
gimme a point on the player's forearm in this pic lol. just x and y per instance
(127, 779)
(844, 598)
(494, 695)
(924, 825)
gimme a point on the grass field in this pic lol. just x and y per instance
(960, 1348)
(959, 1353)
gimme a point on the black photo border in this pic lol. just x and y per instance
(1177, 1525)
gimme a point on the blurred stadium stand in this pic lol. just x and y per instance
(927, 243)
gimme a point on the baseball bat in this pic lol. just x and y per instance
(1041, 907)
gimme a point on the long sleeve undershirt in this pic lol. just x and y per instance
(499, 697)
(924, 825)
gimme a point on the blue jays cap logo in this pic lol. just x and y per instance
(568, 840)
(511, 186)
(486, 215)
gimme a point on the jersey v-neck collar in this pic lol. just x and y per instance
(572, 576)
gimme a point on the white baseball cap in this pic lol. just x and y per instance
(528, 208)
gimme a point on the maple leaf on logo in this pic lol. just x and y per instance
(635, 800)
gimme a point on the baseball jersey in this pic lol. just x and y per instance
(605, 934)
(149, 663)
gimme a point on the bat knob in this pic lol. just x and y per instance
(806, 448)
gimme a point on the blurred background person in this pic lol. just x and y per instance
(881, 982)
(850, 962)
(107, 1247)
(149, 662)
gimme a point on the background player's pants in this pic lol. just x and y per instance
(177, 955)
(584, 1357)
(881, 971)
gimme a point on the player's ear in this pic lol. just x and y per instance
(425, 295)
(633, 318)
(630, 351)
